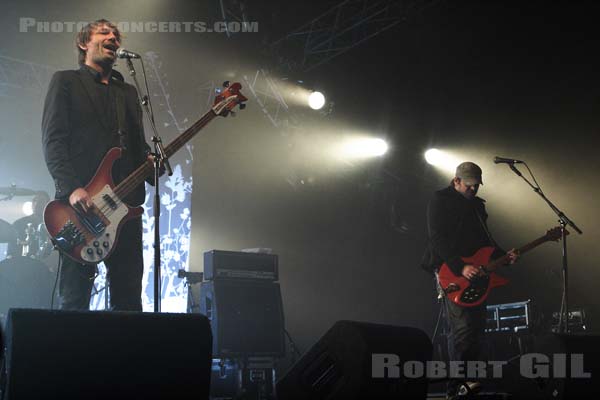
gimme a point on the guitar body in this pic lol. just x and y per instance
(470, 293)
(90, 238)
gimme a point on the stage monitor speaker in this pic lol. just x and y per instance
(246, 317)
(339, 366)
(106, 355)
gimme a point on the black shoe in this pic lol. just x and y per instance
(469, 388)
(465, 391)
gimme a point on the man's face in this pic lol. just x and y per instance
(102, 46)
(468, 191)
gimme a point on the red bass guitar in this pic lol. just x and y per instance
(471, 293)
(90, 237)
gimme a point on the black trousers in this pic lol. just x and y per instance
(125, 268)
(466, 335)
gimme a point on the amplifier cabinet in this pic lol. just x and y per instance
(246, 317)
(220, 264)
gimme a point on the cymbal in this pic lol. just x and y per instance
(15, 191)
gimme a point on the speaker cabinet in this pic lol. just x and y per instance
(106, 355)
(339, 366)
(246, 317)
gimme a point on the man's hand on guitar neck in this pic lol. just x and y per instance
(80, 199)
(513, 256)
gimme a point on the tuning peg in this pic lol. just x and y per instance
(226, 84)
(242, 106)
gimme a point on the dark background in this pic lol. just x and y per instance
(479, 79)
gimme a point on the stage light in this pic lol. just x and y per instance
(27, 208)
(433, 156)
(364, 147)
(442, 160)
(316, 100)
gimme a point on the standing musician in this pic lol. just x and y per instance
(457, 226)
(87, 112)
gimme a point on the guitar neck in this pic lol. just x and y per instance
(497, 263)
(189, 133)
(145, 170)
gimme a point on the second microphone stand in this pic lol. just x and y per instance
(160, 159)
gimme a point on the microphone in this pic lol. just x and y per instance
(502, 160)
(122, 53)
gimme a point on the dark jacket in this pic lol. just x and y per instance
(76, 132)
(455, 230)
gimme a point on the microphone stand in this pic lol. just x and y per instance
(160, 158)
(563, 221)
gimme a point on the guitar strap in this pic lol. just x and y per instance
(486, 230)
(121, 121)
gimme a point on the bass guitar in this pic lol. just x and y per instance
(471, 293)
(90, 237)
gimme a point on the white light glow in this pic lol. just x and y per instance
(442, 160)
(364, 148)
(27, 208)
(316, 100)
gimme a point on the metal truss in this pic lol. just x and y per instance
(343, 27)
(23, 75)
(233, 10)
(267, 94)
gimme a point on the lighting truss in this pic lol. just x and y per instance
(23, 75)
(343, 27)
(265, 90)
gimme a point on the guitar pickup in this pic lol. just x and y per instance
(110, 201)
(91, 221)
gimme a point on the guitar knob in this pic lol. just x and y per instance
(105, 245)
(90, 251)
(96, 243)
(99, 252)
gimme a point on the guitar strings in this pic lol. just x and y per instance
(129, 183)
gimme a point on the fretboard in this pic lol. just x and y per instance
(497, 263)
(145, 170)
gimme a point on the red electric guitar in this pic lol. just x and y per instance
(471, 293)
(90, 237)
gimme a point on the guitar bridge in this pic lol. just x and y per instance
(476, 290)
(69, 236)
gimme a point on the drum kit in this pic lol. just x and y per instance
(26, 279)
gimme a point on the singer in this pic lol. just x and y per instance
(457, 226)
(87, 112)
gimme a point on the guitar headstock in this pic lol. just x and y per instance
(226, 100)
(555, 234)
